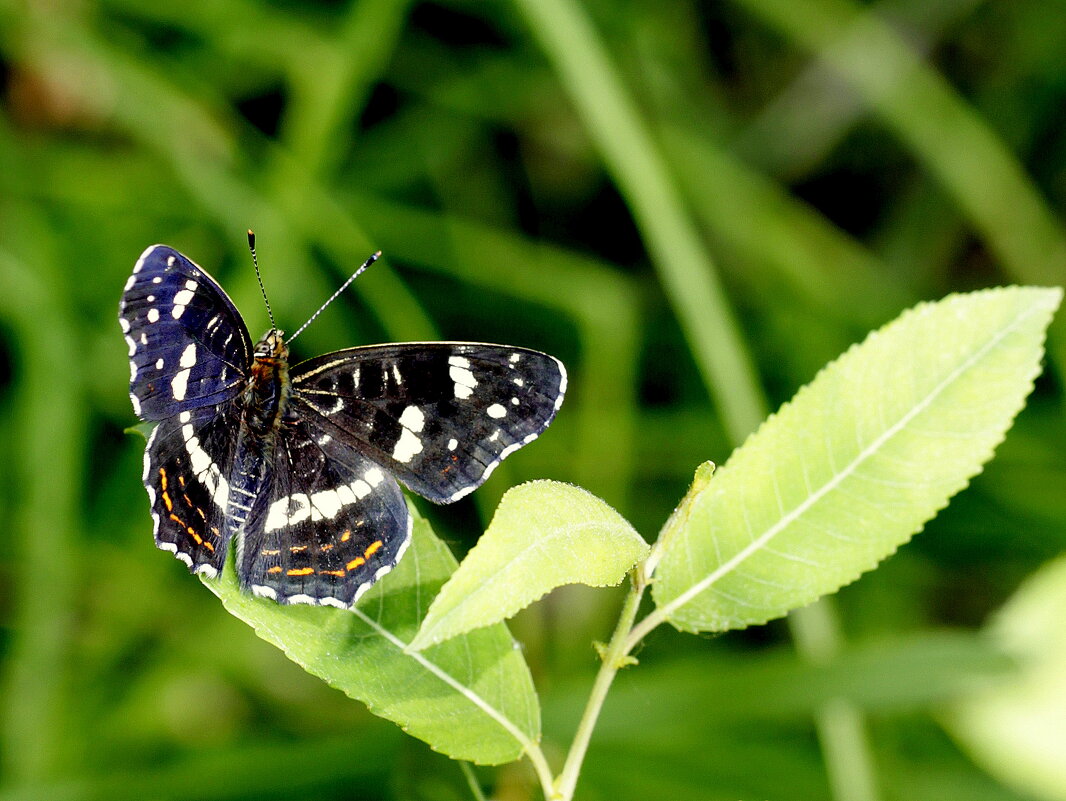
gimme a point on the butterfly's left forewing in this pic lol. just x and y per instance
(439, 416)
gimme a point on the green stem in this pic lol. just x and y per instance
(848, 758)
(471, 780)
(614, 658)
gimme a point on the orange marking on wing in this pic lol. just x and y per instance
(209, 547)
(300, 571)
(181, 480)
(347, 535)
(194, 535)
(298, 548)
(274, 569)
(327, 547)
(372, 549)
(332, 573)
(352, 565)
(163, 488)
(270, 552)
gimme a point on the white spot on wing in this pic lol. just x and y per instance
(459, 372)
(374, 476)
(323, 505)
(206, 570)
(159, 364)
(453, 444)
(413, 418)
(124, 324)
(179, 385)
(188, 356)
(496, 411)
(407, 447)
(153, 315)
(264, 592)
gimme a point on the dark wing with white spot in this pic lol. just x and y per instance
(185, 467)
(188, 345)
(333, 523)
(439, 416)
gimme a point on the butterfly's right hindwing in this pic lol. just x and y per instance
(188, 346)
(332, 523)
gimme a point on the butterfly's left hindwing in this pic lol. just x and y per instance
(440, 416)
(332, 523)
(186, 463)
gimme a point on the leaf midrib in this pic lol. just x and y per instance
(505, 722)
(666, 610)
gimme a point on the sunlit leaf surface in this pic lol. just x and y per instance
(544, 534)
(471, 698)
(857, 462)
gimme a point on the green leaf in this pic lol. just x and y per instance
(1017, 729)
(544, 534)
(471, 698)
(141, 429)
(857, 462)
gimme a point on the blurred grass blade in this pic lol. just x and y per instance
(1017, 730)
(471, 698)
(857, 462)
(940, 128)
(685, 268)
(544, 534)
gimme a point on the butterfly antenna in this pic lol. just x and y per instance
(255, 263)
(336, 294)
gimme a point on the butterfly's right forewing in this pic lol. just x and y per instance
(188, 346)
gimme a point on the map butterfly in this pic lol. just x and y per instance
(299, 466)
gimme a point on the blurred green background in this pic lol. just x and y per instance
(694, 204)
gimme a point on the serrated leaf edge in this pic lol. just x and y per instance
(426, 638)
(666, 610)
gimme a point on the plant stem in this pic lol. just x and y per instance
(543, 771)
(614, 658)
(471, 780)
(848, 757)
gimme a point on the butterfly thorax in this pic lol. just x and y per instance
(266, 396)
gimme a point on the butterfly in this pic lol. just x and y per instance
(300, 466)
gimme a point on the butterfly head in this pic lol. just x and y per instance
(272, 346)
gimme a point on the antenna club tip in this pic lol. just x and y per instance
(377, 254)
(251, 235)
